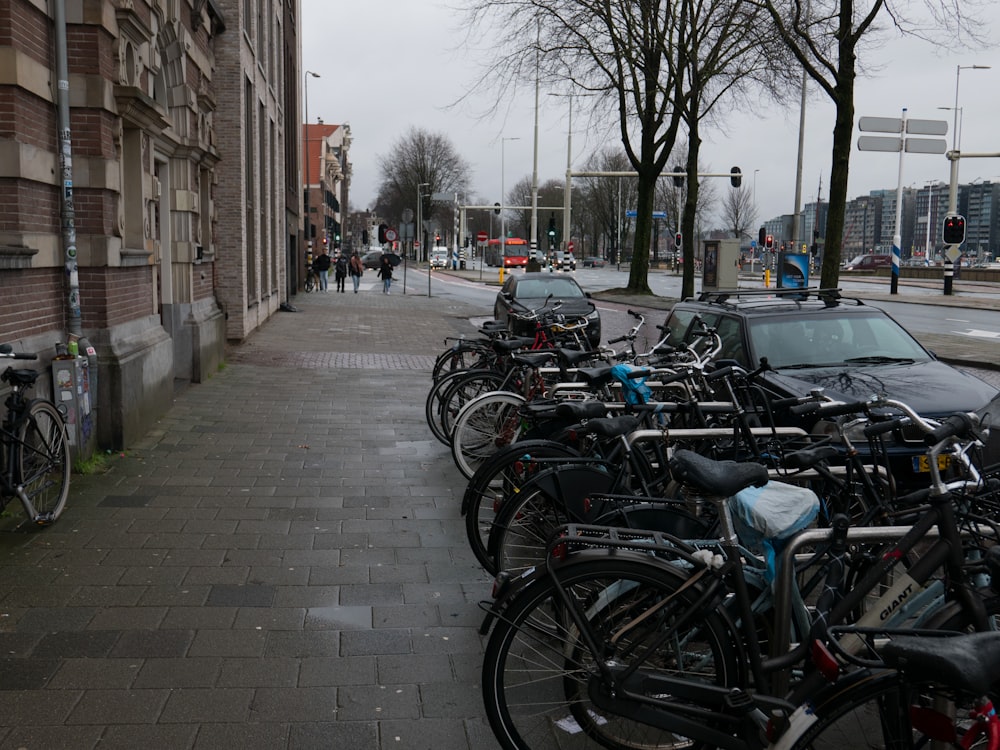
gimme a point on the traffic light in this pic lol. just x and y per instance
(381, 233)
(437, 238)
(678, 240)
(496, 208)
(769, 242)
(735, 177)
(761, 235)
(364, 237)
(679, 178)
(954, 229)
(325, 241)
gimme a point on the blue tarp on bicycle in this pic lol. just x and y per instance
(767, 517)
(634, 387)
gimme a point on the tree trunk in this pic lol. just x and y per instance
(638, 277)
(843, 129)
(688, 240)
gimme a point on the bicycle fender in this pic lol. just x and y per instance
(578, 489)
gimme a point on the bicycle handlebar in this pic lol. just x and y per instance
(7, 352)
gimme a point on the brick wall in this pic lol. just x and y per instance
(33, 303)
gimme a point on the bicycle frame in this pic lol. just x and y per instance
(694, 709)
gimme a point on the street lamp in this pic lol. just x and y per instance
(955, 140)
(503, 200)
(308, 158)
(420, 221)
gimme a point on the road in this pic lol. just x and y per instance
(980, 325)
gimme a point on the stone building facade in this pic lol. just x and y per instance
(167, 268)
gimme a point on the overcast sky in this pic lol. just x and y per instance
(387, 65)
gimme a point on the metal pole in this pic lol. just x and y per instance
(897, 237)
(798, 168)
(533, 239)
(568, 197)
(68, 209)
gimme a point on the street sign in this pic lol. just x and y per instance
(659, 214)
(927, 127)
(925, 146)
(482, 237)
(570, 246)
(879, 142)
(390, 235)
(951, 252)
(880, 125)
(631, 213)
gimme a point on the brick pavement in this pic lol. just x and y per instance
(280, 563)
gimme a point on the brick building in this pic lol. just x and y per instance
(170, 261)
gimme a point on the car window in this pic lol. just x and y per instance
(729, 330)
(677, 325)
(832, 340)
(559, 288)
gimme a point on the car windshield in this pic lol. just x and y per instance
(829, 340)
(559, 288)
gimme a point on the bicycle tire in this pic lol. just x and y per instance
(523, 527)
(871, 710)
(497, 479)
(462, 391)
(436, 396)
(468, 355)
(537, 672)
(43, 461)
(310, 283)
(484, 425)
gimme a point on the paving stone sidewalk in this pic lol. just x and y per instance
(280, 563)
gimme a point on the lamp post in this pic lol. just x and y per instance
(503, 200)
(956, 140)
(307, 157)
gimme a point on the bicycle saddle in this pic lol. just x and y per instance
(721, 478)
(968, 662)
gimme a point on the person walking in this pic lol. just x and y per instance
(340, 272)
(321, 265)
(356, 270)
(385, 273)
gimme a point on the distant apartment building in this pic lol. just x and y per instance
(326, 180)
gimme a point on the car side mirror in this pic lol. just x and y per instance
(587, 295)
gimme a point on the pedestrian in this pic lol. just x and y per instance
(340, 272)
(385, 273)
(356, 270)
(321, 265)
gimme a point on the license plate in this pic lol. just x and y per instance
(922, 464)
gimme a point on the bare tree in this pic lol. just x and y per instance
(420, 158)
(738, 211)
(625, 51)
(825, 37)
(606, 199)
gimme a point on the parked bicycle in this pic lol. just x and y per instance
(610, 645)
(34, 447)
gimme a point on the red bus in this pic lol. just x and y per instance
(515, 253)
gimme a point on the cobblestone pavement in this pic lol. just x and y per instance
(280, 563)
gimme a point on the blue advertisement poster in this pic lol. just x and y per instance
(793, 272)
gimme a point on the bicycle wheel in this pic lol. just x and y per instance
(462, 391)
(436, 396)
(310, 284)
(43, 461)
(874, 710)
(523, 527)
(466, 355)
(499, 478)
(485, 425)
(539, 673)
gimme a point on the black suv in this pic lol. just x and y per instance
(815, 338)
